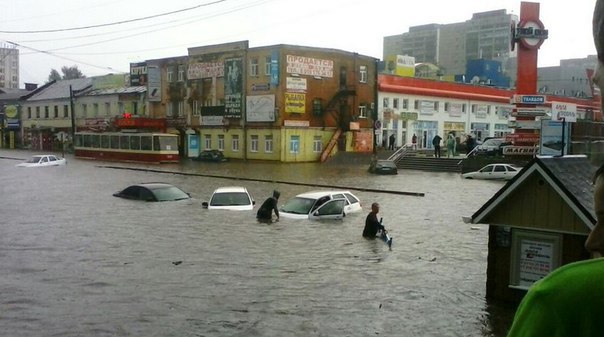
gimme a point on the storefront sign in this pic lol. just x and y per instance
(566, 111)
(295, 103)
(296, 123)
(528, 99)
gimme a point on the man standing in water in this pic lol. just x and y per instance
(372, 225)
(265, 212)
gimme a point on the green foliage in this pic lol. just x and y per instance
(69, 73)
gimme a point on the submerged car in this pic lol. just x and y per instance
(321, 205)
(492, 147)
(234, 198)
(211, 156)
(383, 166)
(494, 171)
(153, 192)
(43, 160)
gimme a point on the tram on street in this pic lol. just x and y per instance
(127, 146)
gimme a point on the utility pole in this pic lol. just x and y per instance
(73, 124)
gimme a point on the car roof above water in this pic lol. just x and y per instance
(226, 189)
(318, 194)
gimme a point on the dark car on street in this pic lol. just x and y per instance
(383, 166)
(492, 147)
(153, 192)
(211, 156)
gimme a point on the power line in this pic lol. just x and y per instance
(108, 24)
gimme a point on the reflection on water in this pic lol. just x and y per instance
(77, 261)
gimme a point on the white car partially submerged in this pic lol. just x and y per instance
(494, 171)
(321, 205)
(43, 160)
(234, 198)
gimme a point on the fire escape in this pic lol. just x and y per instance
(336, 107)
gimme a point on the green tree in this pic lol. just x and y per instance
(54, 76)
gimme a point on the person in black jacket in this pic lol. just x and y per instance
(265, 212)
(372, 224)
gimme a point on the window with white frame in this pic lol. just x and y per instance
(386, 102)
(267, 66)
(405, 103)
(181, 108)
(362, 111)
(181, 73)
(220, 142)
(235, 143)
(254, 66)
(416, 104)
(294, 144)
(395, 103)
(169, 109)
(170, 75)
(195, 108)
(363, 74)
(207, 142)
(317, 144)
(254, 143)
(268, 144)
(436, 105)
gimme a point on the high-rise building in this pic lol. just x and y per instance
(9, 67)
(487, 36)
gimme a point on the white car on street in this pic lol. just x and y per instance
(494, 171)
(321, 205)
(234, 198)
(43, 160)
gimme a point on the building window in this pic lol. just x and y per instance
(395, 103)
(38, 112)
(95, 109)
(254, 66)
(169, 109)
(135, 108)
(386, 102)
(294, 144)
(362, 111)
(363, 74)
(195, 108)
(436, 106)
(254, 143)
(267, 66)
(207, 142)
(28, 112)
(170, 74)
(46, 112)
(56, 111)
(268, 144)
(181, 108)
(220, 142)
(405, 104)
(317, 144)
(65, 111)
(235, 143)
(416, 105)
(107, 109)
(181, 73)
(447, 108)
(84, 110)
(120, 108)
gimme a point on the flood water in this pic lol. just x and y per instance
(76, 261)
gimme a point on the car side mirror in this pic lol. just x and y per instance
(204, 204)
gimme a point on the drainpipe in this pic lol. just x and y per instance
(375, 106)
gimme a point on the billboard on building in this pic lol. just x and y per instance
(154, 86)
(138, 74)
(260, 108)
(400, 65)
(233, 87)
(295, 102)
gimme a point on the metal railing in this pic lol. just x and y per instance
(400, 153)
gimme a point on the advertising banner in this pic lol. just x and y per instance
(295, 103)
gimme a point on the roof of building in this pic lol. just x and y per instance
(570, 176)
(60, 89)
(120, 90)
(12, 93)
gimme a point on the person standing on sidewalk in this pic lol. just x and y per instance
(436, 142)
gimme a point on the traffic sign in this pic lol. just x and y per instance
(529, 112)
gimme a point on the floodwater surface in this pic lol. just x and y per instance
(76, 261)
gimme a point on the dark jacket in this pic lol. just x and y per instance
(372, 225)
(268, 206)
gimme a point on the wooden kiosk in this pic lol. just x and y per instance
(538, 222)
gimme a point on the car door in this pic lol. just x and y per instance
(331, 210)
(486, 172)
(499, 172)
(44, 161)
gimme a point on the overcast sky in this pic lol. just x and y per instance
(137, 30)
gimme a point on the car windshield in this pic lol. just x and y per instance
(230, 199)
(298, 205)
(170, 193)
